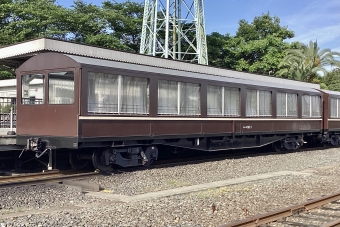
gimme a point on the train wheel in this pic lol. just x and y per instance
(98, 160)
(76, 162)
(151, 154)
(148, 163)
(276, 146)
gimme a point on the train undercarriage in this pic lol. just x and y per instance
(129, 153)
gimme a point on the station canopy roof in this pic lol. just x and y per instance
(15, 55)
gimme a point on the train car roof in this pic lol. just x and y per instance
(337, 93)
(143, 68)
(18, 53)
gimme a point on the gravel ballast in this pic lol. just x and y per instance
(151, 180)
(211, 207)
(40, 197)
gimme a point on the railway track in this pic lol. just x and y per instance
(212, 156)
(281, 216)
(41, 178)
(59, 176)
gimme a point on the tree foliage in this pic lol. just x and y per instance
(125, 20)
(305, 62)
(257, 47)
(332, 80)
(28, 19)
(112, 25)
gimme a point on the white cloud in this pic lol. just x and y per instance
(322, 34)
(336, 49)
(318, 20)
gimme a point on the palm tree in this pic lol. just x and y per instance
(305, 62)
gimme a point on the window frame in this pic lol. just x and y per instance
(311, 106)
(48, 86)
(43, 100)
(286, 104)
(258, 104)
(120, 76)
(179, 111)
(337, 107)
(223, 102)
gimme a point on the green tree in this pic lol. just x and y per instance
(6, 72)
(22, 20)
(85, 22)
(217, 53)
(332, 80)
(257, 47)
(305, 62)
(114, 25)
(27, 19)
(125, 20)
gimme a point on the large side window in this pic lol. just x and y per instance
(32, 89)
(117, 94)
(177, 98)
(335, 108)
(286, 105)
(311, 106)
(134, 95)
(223, 101)
(61, 88)
(259, 103)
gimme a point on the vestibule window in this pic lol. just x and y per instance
(311, 106)
(177, 98)
(259, 103)
(223, 101)
(286, 105)
(32, 89)
(61, 88)
(335, 105)
(117, 94)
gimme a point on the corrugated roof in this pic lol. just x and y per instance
(29, 48)
(143, 68)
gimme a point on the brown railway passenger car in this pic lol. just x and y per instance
(331, 116)
(119, 113)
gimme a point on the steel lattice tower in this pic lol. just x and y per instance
(175, 29)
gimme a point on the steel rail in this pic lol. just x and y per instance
(276, 215)
(40, 178)
(335, 223)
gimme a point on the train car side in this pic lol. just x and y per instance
(123, 111)
(331, 115)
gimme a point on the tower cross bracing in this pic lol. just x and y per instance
(175, 29)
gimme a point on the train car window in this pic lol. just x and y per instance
(102, 93)
(231, 101)
(223, 101)
(177, 98)
(311, 106)
(316, 106)
(335, 108)
(116, 94)
(134, 95)
(286, 105)
(61, 87)
(214, 101)
(258, 103)
(190, 99)
(168, 97)
(32, 89)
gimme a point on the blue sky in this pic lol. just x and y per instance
(309, 19)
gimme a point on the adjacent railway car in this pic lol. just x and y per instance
(331, 116)
(120, 113)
